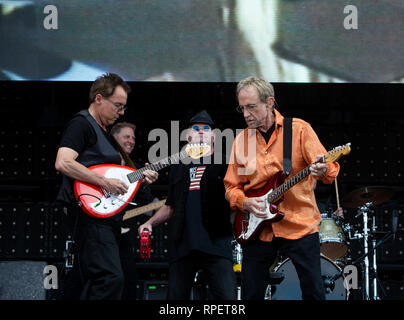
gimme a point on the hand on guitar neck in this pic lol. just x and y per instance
(116, 186)
(150, 176)
(319, 167)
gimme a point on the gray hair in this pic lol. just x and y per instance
(264, 88)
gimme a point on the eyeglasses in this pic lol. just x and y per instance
(205, 128)
(249, 108)
(117, 105)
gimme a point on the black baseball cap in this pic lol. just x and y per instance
(202, 117)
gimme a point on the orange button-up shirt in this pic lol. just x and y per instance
(252, 170)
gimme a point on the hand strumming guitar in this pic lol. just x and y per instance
(256, 206)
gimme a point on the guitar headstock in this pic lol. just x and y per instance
(338, 152)
(197, 150)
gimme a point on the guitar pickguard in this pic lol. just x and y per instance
(110, 202)
(254, 221)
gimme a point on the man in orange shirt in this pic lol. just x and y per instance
(296, 235)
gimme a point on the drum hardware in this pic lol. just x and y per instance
(367, 233)
(363, 199)
(375, 279)
(370, 236)
(288, 284)
(363, 210)
(332, 279)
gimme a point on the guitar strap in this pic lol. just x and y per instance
(287, 146)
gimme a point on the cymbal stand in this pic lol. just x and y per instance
(375, 294)
(332, 279)
(363, 210)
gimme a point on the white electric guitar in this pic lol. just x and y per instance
(99, 203)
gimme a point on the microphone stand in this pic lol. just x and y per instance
(364, 211)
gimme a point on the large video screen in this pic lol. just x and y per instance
(203, 40)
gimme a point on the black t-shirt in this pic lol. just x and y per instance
(79, 135)
(195, 236)
(267, 135)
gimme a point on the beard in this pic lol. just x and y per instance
(254, 123)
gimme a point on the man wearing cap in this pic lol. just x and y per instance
(200, 231)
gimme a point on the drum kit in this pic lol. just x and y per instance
(335, 237)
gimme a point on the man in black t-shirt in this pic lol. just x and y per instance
(200, 231)
(86, 142)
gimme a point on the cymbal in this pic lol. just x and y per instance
(374, 194)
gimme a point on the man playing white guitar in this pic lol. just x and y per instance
(86, 142)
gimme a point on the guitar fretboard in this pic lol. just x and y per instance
(138, 174)
(288, 184)
(332, 155)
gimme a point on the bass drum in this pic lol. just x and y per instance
(289, 287)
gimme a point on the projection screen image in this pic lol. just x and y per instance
(203, 40)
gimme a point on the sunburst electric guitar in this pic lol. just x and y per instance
(99, 203)
(247, 226)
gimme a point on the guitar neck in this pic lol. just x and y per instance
(331, 156)
(278, 192)
(138, 211)
(138, 174)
